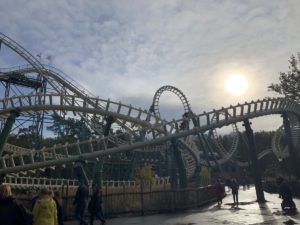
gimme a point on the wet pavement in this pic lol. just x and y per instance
(248, 212)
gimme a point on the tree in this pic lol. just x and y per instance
(145, 174)
(69, 129)
(205, 176)
(289, 83)
(20, 140)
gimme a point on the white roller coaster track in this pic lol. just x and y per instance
(99, 147)
(281, 152)
(189, 142)
(60, 82)
(64, 86)
(78, 101)
(260, 155)
(225, 154)
(56, 78)
(278, 149)
(187, 147)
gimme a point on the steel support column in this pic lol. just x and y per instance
(98, 173)
(292, 151)
(80, 173)
(98, 166)
(180, 164)
(172, 169)
(254, 163)
(7, 128)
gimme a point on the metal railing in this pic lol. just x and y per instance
(53, 183)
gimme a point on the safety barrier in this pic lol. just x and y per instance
(42, 182)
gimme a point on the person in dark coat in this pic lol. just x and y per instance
(12, 212)
(35, 197)
(57, 199)
(286, 194)
(235, 191)
(95, 206)
(80, 200)
(227, 183)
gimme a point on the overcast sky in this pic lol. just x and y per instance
(125, 50)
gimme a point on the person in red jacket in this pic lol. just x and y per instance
(220, 191)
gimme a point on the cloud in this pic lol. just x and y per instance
(126, 50)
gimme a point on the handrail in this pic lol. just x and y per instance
(39, 182)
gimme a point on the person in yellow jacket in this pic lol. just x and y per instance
(44, 211)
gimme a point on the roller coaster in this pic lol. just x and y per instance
(34, 92)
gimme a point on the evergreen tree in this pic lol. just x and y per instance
(69, 130)
(289, 83)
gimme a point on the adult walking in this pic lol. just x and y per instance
(12, 212)
(57, 199)
(34, 197)
(95, 206)
(80, 200)
(44, 210)
(219, 191)
(235, 192)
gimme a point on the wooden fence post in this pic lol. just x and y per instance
(67, 201)
(174, 199)
(142, 197)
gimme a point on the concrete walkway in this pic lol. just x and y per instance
(248, 212)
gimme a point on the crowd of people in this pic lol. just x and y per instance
(46, 208)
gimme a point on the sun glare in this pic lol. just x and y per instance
(236, 85)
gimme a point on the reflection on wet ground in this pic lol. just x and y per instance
(247, 212)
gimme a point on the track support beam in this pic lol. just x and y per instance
(80, 172)
(7, 128)
(180, 164)
(98, 173)
(292, 151)
(254, 163)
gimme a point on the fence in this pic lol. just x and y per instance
(145, 201)
(157, 201)
(140, 199)
(41, 182)
(51, 183)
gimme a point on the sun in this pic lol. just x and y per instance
(236, 84)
